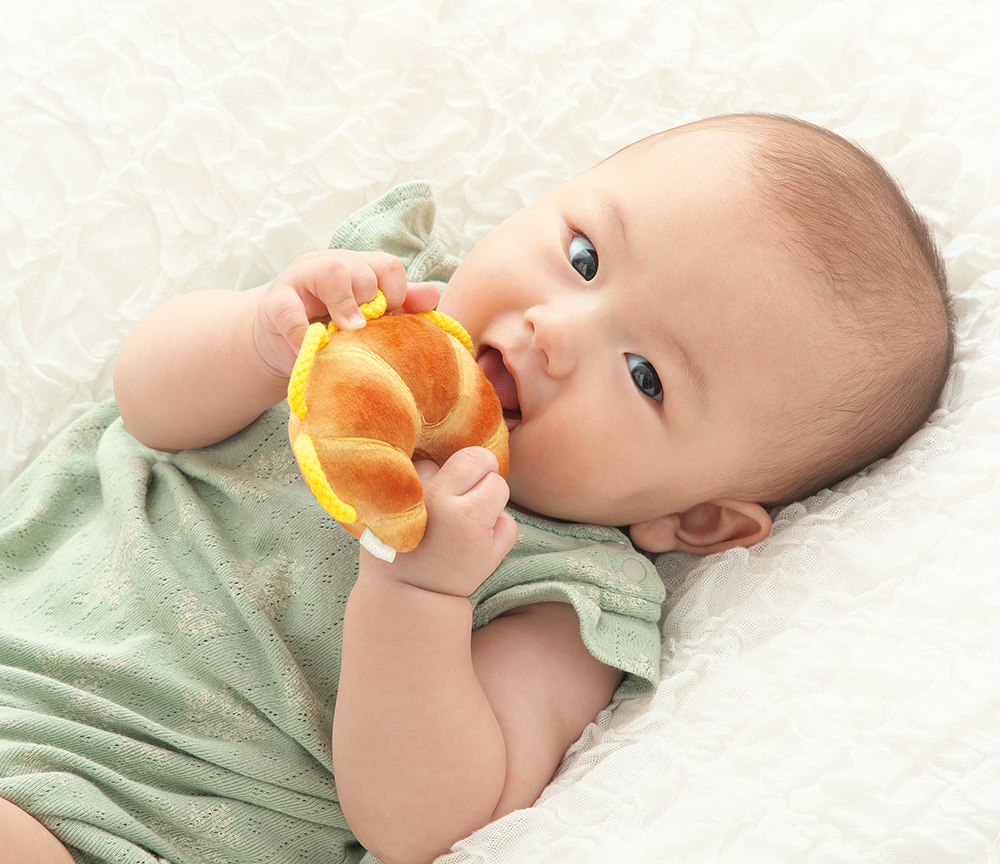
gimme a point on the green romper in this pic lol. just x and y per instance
(170, 627)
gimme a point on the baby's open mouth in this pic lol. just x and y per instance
(491, 362)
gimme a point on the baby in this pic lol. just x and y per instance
(714, 321)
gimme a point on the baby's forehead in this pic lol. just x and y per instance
(750, 153)
(706, 143)
(665, 189)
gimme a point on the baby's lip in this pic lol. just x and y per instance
(491, 361)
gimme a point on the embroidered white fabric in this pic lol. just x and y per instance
(831, 695)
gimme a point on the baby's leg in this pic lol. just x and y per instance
(24, 840)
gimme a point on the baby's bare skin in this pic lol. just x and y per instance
(24, 840)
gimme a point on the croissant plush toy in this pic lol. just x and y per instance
(366, 403)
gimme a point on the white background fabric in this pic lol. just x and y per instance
(832, 695)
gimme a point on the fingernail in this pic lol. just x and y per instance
(355, 321)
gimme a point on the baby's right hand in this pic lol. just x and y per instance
(328, 286)
(468, 533)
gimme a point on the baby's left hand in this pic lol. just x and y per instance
(328, 286)
(468, 532)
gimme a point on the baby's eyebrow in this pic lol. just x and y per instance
(613, 216)
(696, 378)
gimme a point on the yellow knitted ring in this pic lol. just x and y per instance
(450, 326)
(372, 309)
(315, 478)
(316, 337)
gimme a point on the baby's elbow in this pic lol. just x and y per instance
(419, 842)
(404, 856)
(406, 850)
(128, 396)
(132, 408)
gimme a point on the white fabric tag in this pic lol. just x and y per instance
(377, 547)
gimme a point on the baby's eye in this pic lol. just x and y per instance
(583, 256)
(644, 377)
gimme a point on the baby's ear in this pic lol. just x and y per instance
(705, 528)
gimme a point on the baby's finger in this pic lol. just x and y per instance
(504, 536)
(335, 280)
(367, 273)
(490, 494)
(425, 469)
(420, 297)
(463, 471)
(390, 276)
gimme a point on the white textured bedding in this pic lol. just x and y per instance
(832, 695)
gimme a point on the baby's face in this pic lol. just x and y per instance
(643, 330)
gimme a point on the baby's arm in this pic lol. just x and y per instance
(439, 730)
(206, 364)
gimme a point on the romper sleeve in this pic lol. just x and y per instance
(400, 222)
(614, 588)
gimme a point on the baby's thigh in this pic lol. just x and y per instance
(24, 840)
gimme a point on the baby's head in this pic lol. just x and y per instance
(715, 320)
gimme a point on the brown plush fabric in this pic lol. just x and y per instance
(399, 389)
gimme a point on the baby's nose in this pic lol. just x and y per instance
(560, 333)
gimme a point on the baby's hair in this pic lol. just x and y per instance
(847, 221)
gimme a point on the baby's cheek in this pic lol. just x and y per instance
(527, 480)
(542, 478)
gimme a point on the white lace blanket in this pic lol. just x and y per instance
(831, 696)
